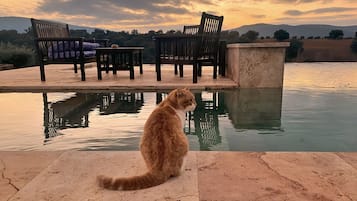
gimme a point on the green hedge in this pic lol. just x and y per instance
(17, 55)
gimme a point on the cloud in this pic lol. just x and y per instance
(258, 16)
(123, 12)
(300, 1)
(319, 11)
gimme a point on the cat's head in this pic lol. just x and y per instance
(182, 99)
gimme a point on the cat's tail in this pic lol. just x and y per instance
(147, 180)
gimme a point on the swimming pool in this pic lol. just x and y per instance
(315, 111)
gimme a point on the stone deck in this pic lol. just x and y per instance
(70, 175)
(62, 77)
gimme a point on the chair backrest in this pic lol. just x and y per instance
(209, 31)
(191, 29)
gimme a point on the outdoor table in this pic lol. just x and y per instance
(119, 58)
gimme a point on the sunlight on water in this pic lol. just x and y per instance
(315, 111)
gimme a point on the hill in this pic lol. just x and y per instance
(306, 30)
(21, 24)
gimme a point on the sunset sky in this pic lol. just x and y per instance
(145, 15)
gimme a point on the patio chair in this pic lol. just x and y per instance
(193, 29)
(54, 45)
(193, 49)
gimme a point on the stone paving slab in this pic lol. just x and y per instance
(18, 168)
(72, 177)
(276, 176)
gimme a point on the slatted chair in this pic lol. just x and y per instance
(193, 49)
(54, 45)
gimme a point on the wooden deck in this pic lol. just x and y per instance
(62, 78)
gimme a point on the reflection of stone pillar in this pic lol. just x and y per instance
(254, 108)
(257, 65)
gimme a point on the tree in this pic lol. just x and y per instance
(248, 37)
(293, 50)
(281, 35)
(336, 34)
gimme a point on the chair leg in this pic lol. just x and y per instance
(215, 70)
(158, 71)
(194, 79)
(199, 70)
(42, 71)
(181, 70)
(175, 69)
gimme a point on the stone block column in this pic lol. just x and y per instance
(257, 65)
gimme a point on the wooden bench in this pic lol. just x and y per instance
(54, 45)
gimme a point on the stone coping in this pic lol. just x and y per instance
(259, 45)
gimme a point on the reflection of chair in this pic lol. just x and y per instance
(191, 49)
(55, 46)
(204, 118)
(113, 103)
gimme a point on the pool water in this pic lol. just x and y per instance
(308, 114)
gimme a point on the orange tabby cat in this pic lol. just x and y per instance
(163, 144)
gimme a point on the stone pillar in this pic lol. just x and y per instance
(257, 65)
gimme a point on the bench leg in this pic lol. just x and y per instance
(83, 74)
(75, 68)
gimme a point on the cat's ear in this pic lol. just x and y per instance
(179, 92)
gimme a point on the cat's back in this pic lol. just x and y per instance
(162, 116)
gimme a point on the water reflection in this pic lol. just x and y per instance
(255, 108)
(73, 111)
(245, 108)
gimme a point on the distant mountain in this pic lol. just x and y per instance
(20, 24)
(306, 30)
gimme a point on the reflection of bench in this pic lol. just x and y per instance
(69, 113)
(54, 45)
(73, 112)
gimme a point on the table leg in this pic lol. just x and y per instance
(131, 65)
(114, 63)
(141, 61)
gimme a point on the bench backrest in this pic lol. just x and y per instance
(47, 29)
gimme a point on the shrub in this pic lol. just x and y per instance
(17, 55)
(354, 45)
